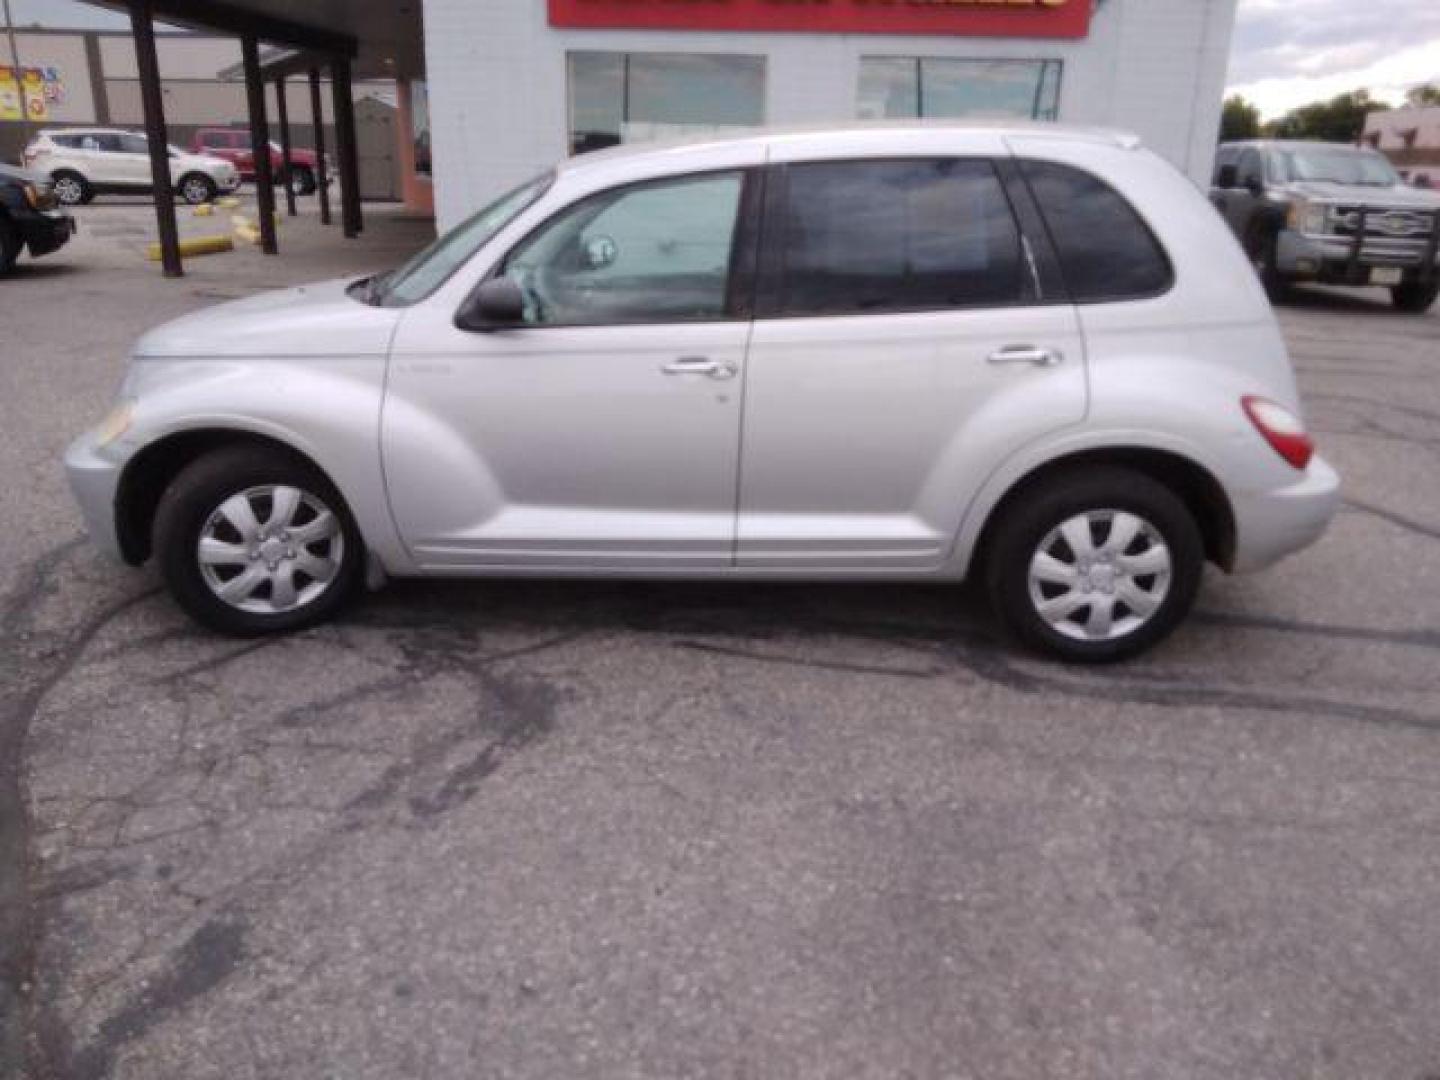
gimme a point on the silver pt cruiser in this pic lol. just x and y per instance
(1033, 354)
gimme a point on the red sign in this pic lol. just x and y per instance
(976, 18)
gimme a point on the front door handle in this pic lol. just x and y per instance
(1027, 354)
(700, 365)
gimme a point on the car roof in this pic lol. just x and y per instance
(1292, 144)
(840, 133)
(91, 131)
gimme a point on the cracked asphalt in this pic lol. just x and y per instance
(570, 829)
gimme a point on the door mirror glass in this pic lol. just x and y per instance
(496, 304)
(1229, 177)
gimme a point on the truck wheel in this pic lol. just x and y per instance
(9, 245)
(71, 188)
(252, 541)
(1415, 297)
(197, 188)
(304, 180)
(1094, 565)
(1263, 246)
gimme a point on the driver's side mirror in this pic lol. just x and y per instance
(1228, 178)
(496, 305)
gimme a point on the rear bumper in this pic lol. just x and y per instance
(94, 480)
(1273, 524)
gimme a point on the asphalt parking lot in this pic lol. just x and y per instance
(563, 830)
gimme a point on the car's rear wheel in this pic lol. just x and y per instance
(9, 244)
(304, 179)
(197, 188)
(251, 540)
(1094, 565)
(71, 188)
(1415, 297)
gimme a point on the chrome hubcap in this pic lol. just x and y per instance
(195, 191)
(1100, 575)
(67, 190)
(270, 549)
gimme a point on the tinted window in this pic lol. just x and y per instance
(656, 252)
(921, 235)
(1225, 156)
(134, 144)
(1106, 250)
(1251, 169)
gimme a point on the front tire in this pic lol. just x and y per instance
(250, 540)
(71, 188)
(197, 188)
(9, 245)
(1263, 246)
(1094, 565)
(1415, 298)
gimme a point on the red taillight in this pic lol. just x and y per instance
(1282, 429)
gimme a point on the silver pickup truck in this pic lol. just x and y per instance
(1333, 214)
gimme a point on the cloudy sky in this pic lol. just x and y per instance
(1291, 52)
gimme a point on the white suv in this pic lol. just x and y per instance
(1030, 354)
(84, 162)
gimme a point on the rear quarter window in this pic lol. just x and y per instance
(1107, 252)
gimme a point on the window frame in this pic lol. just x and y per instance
(1171, 278)
(741, 273)
(1045, 66)
(1039, 269)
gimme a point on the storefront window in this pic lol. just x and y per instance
(903, 86)
(631, 97)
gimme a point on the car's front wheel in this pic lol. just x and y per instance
(71, 188)
(1415, 297)
(1263, 246)
(251, 540)
(197, 188)
(1094, 565)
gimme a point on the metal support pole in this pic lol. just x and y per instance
(345, 147)
(282, 113)
(322, 176)
(142, 28)
(259, 143)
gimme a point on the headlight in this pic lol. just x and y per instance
(115, 424)
(1309, 217)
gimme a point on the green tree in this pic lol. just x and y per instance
(1426, 94)
(1239, 120)
(1341, 119)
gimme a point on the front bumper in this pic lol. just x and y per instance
(1270, 525)
(94, 479)
(45, 231)
(1338, 260)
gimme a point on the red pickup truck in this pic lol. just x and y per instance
(233, 144)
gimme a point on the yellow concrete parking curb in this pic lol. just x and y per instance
(196, 245)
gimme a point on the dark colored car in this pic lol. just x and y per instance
(29, 216)
(233, 144)
(1333, 214)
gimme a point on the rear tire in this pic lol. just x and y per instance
(10, 244)
(1094, 565)
(251, 540)
(304, 180)
(197, 188)
(71, 188)
(1414, 297)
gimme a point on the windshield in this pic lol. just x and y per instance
(1339, 165)
(429, 269)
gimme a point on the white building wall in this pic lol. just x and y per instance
(497, 80)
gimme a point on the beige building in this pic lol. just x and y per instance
(1409, 137)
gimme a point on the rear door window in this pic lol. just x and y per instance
(1106, 250)
(867, 237)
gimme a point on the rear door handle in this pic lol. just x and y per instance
(700, 365)
(1026, 354)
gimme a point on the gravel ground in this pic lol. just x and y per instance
(554, 830)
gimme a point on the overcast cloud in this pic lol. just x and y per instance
(1291, 52)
